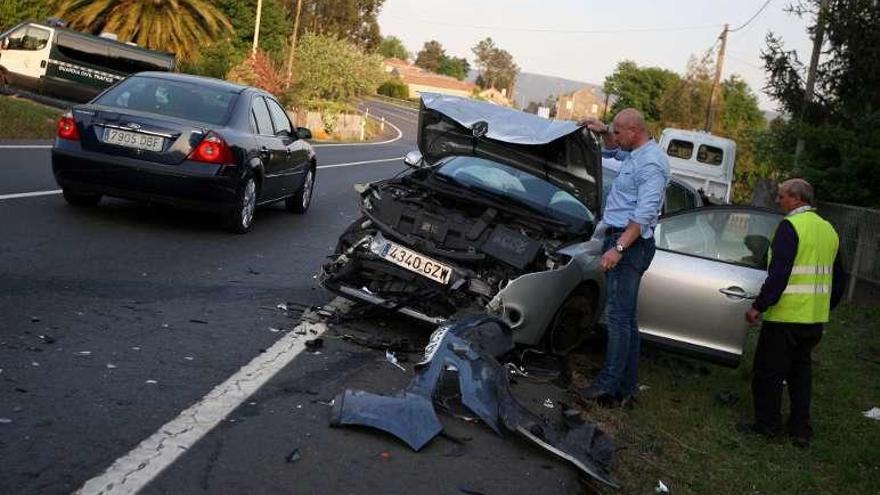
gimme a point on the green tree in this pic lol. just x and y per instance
(328, 68)
(391, 46)
(430, 56)
(14, 11)
(841, 127)
(497, 67)
(685, 100)
(641, 88)
(179, 26)
(352, 20)
(455, 67)
(275, 27)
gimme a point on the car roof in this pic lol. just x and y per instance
(211, 82)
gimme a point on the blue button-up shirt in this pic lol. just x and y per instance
(639, 190)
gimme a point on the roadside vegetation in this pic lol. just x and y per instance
(24, 119)
(682, 431)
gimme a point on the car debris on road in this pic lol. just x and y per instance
(467, 350)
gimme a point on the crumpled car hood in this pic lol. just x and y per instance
(558, 151)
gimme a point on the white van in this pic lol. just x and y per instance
(701, 159)
(68, 64)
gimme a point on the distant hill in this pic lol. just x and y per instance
(537, 87)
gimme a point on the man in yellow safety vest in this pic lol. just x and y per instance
(804, 283)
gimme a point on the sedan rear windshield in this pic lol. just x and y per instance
(171, 98)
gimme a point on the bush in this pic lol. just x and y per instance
(259, 70)
(328, 68)
(394, 88)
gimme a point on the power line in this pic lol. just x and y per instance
(753, 16)
(557, 30)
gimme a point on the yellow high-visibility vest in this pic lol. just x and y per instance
(807, 296)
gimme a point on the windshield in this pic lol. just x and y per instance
(170, 98)
(515, 185)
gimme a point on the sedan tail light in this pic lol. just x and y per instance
(67, 127)
(213, 149)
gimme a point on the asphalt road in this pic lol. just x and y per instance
(113, 320)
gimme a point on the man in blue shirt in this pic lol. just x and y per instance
(630, 215)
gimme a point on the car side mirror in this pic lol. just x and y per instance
(414, 159)
(283, 133)
(303, 133)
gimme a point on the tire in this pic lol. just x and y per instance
(82, 200)
(241, 219)
(299, 202)
(574, 321)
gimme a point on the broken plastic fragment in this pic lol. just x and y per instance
(35, 364)
(152, 382)
(549, 404)
(873, 413)
(274, 330)
(85, 353)
(188, 358)
(661, 487)
(391, 358)
(294, 455)
(111, 366)
(5, 421)
(281, 306)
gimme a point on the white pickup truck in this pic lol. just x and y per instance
(701, 159)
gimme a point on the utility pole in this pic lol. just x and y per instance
(811, 77)
(719, 66)
(257, 27)
(299, 4)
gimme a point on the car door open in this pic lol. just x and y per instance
(709, 266)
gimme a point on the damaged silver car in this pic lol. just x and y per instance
(498, 216)
(495, 217)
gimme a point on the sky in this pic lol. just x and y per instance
(585, 39)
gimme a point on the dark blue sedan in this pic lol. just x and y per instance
(185, 141)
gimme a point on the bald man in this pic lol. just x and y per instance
(630, 215)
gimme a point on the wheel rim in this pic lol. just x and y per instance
(571, 324)
(307, 189)
(248, 203)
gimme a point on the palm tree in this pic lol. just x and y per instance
(178, 26)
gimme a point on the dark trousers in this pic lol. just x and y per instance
(784, 353)
(620, 374)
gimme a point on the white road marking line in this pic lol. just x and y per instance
(29, 194)
(133, 471)
(390, 114)
(351, 164)
(335, 165)
(25, 146)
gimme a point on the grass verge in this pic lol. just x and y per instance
(23, 119)
(682, 430)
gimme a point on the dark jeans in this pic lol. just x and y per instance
(620, 375)
(784, 353)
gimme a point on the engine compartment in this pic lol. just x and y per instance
(486, 242)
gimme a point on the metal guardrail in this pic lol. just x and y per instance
(859, 232)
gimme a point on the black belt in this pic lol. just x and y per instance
(614, 230)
